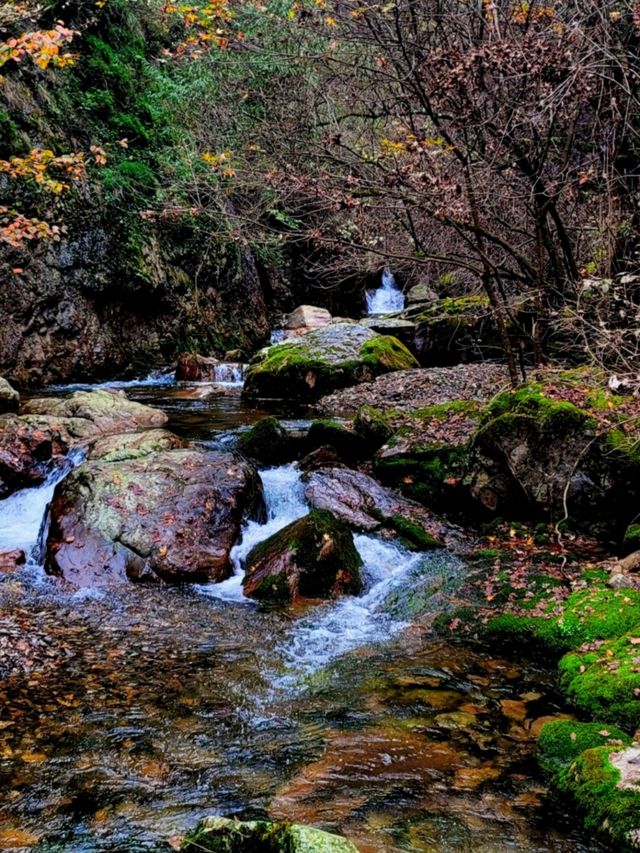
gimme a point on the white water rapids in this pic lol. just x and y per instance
(329, 630)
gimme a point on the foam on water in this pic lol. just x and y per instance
(155, 378)
(385, 299)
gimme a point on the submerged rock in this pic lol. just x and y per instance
(9, 397)
(364, 504)
(172, 514)
(221, 835)
(324, 359)
(311, 558)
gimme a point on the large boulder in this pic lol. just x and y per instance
(9, 397)
(538, 456)
(364, 504)
(134, 445)
(312, 558)
(426, 457)
(221, 835)
(106, 412)
(172, 514)
(322, 360)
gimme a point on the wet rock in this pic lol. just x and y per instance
(192, 367)
(312, 558)
(9, 397)
(134, 445)
(307, 317)
(364, 504)
(269, 443)
(321, 457)
(106, 412)
(11, 560)
(231, 836)
(172, 514)
(28, 444)
(324, 359)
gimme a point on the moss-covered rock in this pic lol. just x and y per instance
(322, 360)
(347, 443)
(591, 614)
(562, 741)
(311, 558)
(603, 679)
(454, 330)
(220, 835)
(269, 443)
(537, 456)
(373, 426)
(426, 458)
(134, 445)
(610, 808)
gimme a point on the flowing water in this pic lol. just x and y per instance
(385, 299)
(125, 716)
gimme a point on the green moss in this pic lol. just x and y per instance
(608, 809)
(268, 442)
(605, 681)
(461, 309)
(373, 426)
(347, 444)
(387, 352)
(594, 613)
(444, 411)
(553, 417)
(414, 533)
(562, 741)
(422, 473)
(221, 835)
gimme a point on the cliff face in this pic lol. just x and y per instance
(139, 272)
(83, 309)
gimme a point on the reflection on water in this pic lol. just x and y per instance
(126, 716)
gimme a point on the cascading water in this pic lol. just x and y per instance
(23, 514)
(385, 299)
(331, 630)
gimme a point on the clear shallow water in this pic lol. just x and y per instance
(126, 716)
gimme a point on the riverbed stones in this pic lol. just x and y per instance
(221, 835)
(172, 514)
(312, 558)
(322, 360)
(9, 397)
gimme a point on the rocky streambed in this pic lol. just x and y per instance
(132, 710)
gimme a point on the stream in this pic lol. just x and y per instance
(141, 710)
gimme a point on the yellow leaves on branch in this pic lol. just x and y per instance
(206, 26)
(39, 164)
(44, 47)
(220, 163)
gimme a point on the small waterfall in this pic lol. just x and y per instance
(228, 373)
(385, 299)
(23, 514)
(332, 629)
